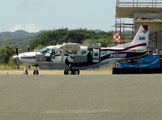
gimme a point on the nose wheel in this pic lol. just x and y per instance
(71, 72)
(25, 72)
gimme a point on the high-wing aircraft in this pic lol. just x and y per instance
(73, 57)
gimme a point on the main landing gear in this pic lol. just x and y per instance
(71, 72)
(35, 72)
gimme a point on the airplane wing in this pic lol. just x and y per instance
(70, 47)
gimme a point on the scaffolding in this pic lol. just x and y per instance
(120, 27)
(142, 12)
(139, 3)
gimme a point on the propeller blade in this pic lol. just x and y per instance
(28, 48)
(17, 50)
(17, 57)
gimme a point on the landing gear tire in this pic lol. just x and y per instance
(65, 71)
(25, 72)
(71, 72)
(76, 72)
(35, 72)
(68, 72)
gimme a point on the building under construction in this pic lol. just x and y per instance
(142, 12)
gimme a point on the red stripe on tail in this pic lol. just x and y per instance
(145, 27)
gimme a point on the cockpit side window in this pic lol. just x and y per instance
(57, 52)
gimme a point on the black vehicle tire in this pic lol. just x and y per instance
(76, 72)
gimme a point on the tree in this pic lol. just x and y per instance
(5, 53)
(59, 36)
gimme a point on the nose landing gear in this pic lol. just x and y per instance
(25, 72)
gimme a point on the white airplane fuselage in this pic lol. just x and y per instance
(76, 57)
(81, 60)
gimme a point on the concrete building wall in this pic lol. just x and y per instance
(155, 29)
(152, 26)
(156, 16)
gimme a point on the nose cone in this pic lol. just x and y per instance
(23, 57)
(28, 57)
(15, 56)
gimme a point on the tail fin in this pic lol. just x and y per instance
(142, 35)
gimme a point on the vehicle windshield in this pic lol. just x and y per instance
(45, 50)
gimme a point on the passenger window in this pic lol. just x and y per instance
(83, 52)
(73, 52)
(57, 52)
(103, 52)
(95, 54)
(65, 52)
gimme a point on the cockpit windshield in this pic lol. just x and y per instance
(45, 50)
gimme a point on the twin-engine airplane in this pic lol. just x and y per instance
(73, 57)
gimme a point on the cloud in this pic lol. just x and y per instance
(29, 27)
(32, 3)
(25, 3)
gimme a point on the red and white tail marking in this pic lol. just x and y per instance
(116, 37)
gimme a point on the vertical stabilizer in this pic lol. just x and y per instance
(142, 35)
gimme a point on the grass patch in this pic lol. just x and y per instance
(11, 67)
(14, 67)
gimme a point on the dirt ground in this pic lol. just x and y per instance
(57, 72)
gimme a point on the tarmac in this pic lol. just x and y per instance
(80, 97)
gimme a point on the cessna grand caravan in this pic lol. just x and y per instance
(73, 57)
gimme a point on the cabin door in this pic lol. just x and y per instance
(96, 55)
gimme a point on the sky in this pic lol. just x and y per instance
(36, 15)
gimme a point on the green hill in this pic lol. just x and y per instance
(20, 38)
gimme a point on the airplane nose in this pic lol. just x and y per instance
(15, 56)
(18, 57)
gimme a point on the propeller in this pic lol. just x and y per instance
(17, 58)
(28, 50)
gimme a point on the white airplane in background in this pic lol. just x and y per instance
(73, 57)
